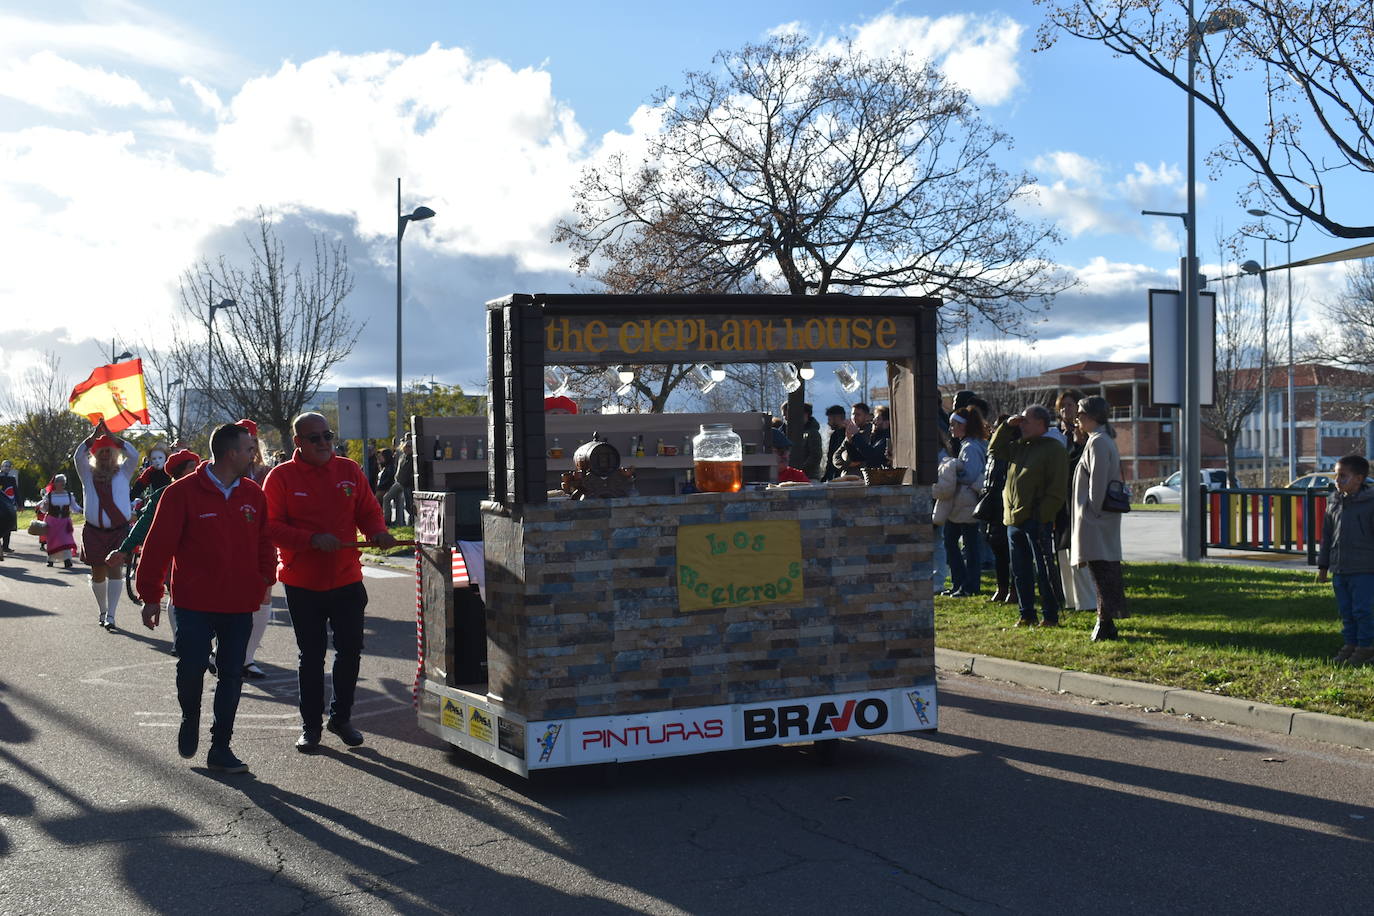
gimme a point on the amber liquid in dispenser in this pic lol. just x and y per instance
(719, 476)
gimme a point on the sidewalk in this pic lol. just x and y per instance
(1154, 537)
(1281, 720)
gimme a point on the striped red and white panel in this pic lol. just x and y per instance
(460, 570)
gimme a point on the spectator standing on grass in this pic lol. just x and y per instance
(1037, 485)
(995, 482)
(1097, 534)
(1347, 554)
(963, 546)
(1076, 582)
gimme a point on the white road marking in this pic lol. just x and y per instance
(374, 572)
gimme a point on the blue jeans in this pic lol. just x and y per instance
(1355, 600)
(194, 630)
(966, 562)
(937, 560)
(1032, 551)
(313, 615)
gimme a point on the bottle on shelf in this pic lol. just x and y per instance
(481, 448)
(686, 447)
(463, 449)
(658, 450)
(438, 449)
(448, 449)
(639, 446)
(689, 485)
(555, 450)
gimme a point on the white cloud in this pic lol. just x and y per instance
(978, 54)
(1077, 192)
(115, 31)
(58, 85)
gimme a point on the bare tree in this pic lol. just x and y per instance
(832, 172)
(1348, 336)
(44, 429)
(273, 351)
(1316, 58)
(996, 371)
(1239, 353)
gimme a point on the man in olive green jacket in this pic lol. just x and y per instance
(1037, 485)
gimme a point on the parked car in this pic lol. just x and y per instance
(1321, 480)
(1170, 490)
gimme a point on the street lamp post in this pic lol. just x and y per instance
(210, 341)
(181, 413)
(1292, 409)
(1250, 267)
(401, 220)
(1191, 513)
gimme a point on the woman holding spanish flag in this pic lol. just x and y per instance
(105, 480)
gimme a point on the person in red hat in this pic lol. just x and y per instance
(105, 480)
(177, 465)
(257, 472)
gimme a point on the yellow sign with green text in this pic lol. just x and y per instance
(738, 564)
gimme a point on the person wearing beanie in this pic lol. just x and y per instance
(105, 480)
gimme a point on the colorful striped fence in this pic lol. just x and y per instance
(1277, 520)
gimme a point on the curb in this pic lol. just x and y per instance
(1280, 720)
(389, 562)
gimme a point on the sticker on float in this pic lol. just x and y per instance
(738, 564)
(572, 742)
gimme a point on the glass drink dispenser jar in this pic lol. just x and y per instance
(718, 459)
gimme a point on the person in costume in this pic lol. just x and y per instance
(56, 508)
(105, 480)
(154, 475)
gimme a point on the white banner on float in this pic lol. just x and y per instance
(573, 742)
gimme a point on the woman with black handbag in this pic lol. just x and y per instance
(1096, 525)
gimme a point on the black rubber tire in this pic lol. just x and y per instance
(129, 570)
(1152, 500)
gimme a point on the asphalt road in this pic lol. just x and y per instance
(1024, 802)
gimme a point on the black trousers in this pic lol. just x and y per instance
(314, 615)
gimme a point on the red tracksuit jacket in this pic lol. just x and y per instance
(304, 500)
(220, 555)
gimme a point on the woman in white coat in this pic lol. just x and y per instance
(1097, 534)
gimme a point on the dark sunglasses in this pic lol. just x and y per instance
(317, 438)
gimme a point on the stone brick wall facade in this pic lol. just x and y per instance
(583, 617)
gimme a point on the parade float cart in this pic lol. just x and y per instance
(659, 624)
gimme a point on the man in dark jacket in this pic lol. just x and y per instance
(1037, 486)
(834, 433)
(811, 451)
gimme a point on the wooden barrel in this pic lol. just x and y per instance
(596, 457)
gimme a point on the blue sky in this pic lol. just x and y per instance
(137, 137)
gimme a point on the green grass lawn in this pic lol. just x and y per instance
(1260, 634)
(1154, 507)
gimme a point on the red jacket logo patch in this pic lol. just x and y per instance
(347, 487)
(249, 513)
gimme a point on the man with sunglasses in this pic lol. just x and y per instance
(316, 504)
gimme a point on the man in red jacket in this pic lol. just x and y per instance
(316, 504)
(210, 527)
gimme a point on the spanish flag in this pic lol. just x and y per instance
(114, 393)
